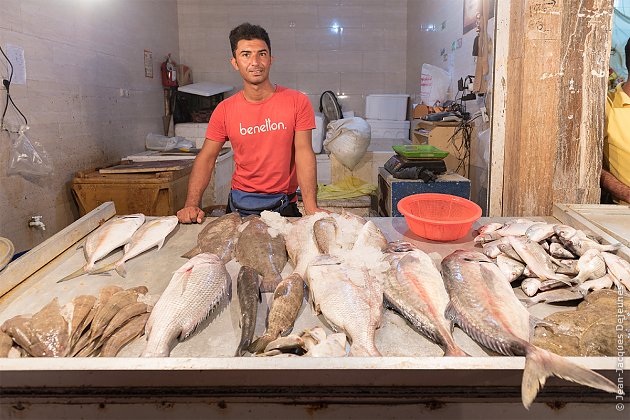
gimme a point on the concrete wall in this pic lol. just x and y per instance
(367, 56)
(78, 55)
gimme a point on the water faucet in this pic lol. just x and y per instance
(36, 222)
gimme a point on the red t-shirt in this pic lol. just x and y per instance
(262, 136)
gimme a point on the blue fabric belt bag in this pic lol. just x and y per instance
(247, 203)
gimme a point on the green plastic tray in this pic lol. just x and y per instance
(419, 151)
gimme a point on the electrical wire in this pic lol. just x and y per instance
(7, 84)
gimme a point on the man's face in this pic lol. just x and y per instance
(252, 61)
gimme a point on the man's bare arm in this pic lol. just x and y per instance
(617, 188)
(306, 168)
(198, 181)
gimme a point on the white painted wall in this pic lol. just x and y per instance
(79, 54)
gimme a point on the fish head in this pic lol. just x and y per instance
(564, 231)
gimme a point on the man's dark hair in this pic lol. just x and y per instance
(248, 31)
(628, 57)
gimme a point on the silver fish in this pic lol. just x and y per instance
(111, 235)
(530, 286)
(350, 298)
(515, 229)
(604, 282)
(552, 296)
(619, 268)
(150, 234)
(490, 227)
(540, 231)
(536, 259)
(485, 307)
(511, 268)
(579, 242)
(415, 289)
(591, 265)
(558, 251)
(195, 290)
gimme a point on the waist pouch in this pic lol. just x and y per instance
(247, 203)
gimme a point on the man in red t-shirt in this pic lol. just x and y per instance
(269, 127)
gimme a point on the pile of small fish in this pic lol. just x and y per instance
(86, 326)
(559, 261)
(129, 231)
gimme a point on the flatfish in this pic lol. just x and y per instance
(218, 237)
(248, 291)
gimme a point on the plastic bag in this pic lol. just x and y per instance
(434, 84)
(164, 143)
(348, 140)
(349, 187)
(28, 158)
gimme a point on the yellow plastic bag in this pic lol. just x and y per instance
(349, 187)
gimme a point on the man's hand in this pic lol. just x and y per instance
(190, 214)
(315, 210)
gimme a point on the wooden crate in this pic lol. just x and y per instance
(151, 193)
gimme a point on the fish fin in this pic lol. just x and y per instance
(259, 344)
(527, 302)
(77, 273)
(267, 317)
(104, 269)
(120, 269)
(455, 351)
(161, 243)
(540, 364)
(195, 251)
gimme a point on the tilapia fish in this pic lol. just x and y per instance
(263, 249)
(350, 298)
(194, 291)
(248, 291)
(287, 301)
(152, 233)
(485, 307)
(415, 289)
(218, 238)
(113, 234)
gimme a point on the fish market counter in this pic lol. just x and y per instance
(412, 369)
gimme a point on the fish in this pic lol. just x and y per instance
(326, 232)
(553, 296)
(484, 238)
(110, 309)
(558, 251)
(263, 249)
(530, 286)
(540, 231)
(123, 316)
(511, 268)
(301, 243)
(130, 330)
(492, 249)
(332, 346)
(490, 227)
(150, 234)
(515, 229)
(287, 301)
(604, 282)
(415, 289)
(619, 268)
(45, 334)
(370, 236)
(350, 298)
(76, 313)
(578, 242)
(112, 234)
(195, 290)
(591, 265)
(537, 260)
(247, 288)
(218, 237)
(483, 304)
(568, 267)
(6, 342)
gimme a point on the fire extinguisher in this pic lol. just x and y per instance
(169, 72)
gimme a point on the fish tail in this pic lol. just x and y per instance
(540, 364)
(77, 273)
(259, 344)
(196, 250)
(455, 351)
(120, 269)
(242, 348)
(103, 269)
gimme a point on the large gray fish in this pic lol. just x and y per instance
(152, 233)
(111, 235)
(350, 298)
(248, 290)
(195, 290)
(287, 301)
(415, 289)
(218, 237)
(485, 307)
(263, 249)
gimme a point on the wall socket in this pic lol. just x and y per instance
(123, 93)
